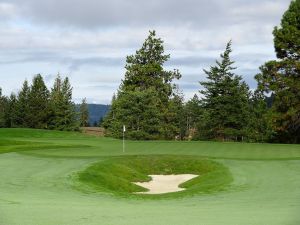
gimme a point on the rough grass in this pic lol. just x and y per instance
(116, 174)
(18, 140)
(38, 186)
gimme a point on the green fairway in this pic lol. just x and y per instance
(40, 186)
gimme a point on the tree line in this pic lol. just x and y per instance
(151, 106)
(37, 107)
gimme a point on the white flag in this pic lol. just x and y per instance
(124, 129)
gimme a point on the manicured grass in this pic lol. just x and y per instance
(116, 174)
(39, 182)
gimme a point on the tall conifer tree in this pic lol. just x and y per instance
(22, 106)
(143, 100)
(11, 113)
(84, 113)
(225, 99)
(193, 112)
(62, 115)
(3, 107)
(38, 103)
(282, 77)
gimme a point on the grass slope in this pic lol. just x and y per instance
(116, 174)
(39, 185)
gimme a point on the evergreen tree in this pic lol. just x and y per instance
(70, 112)
(11, 112)
(174, 126)
(35, 107)
(56, 111)
(144, 101)
(259, 126)
(139, 111)
(193, 112)
(62, 115)
(22, 106)
(38, 103)
(225, 99)
(145, 69)
(84, 114)
(282, 77)
(3, 109)
(109, 120)
(203, 125)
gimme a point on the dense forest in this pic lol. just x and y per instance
(152, 107)
(37, 107)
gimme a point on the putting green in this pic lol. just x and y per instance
(38, 171)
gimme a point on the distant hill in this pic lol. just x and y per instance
(96, 112)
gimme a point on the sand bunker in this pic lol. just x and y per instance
(161, 184)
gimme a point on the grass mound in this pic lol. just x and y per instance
(116, 174)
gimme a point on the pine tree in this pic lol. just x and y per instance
(144, 100)
(3, 109)
(11, 112)
(70, 111)
(225, 97)
(259, 126)
(84, 114)
(145, 69)
(139, 111)
(109, 120)
(22, 106)
(62, 115)
(174, 126)
(38, 103)
(193, 112)
(282, 77)
(56, 106)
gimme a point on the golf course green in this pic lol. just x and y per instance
(51, 178)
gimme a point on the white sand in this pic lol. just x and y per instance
(161, 184)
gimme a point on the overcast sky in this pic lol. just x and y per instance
(89, 40)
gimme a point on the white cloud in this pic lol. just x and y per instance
(89, 40)
(7, 10)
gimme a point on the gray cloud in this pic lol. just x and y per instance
(241, 59)
(95, 13)
(190, 61)
(90, 39)
(105, 13)
(7, 11)
(73, 62)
